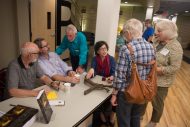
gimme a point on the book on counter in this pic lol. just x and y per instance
(44, 106)
(19, 116)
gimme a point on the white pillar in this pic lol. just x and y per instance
(174, 19)
(107, 22)
(149, 13)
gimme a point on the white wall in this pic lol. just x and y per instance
(107, 22)
(8, 32)
(10, 35)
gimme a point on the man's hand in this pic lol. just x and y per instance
(55, 84)
(90, 73)
(80, 70)
(71, 73)
(114, 100)
(74, 80)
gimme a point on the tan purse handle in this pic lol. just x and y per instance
(130, 48)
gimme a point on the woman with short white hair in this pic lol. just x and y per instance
(169, 56)
(128, 114)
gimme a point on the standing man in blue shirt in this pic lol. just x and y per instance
(77, 45)
(149, 32)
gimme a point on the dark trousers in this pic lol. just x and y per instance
(75, 62)
(128, 114)
(106, 108)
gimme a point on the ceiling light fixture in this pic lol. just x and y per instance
(125, 2)
(150, 6)
(186, 11)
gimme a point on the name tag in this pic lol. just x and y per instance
(164, 51)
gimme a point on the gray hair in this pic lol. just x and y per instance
(134, 27)
(71, 28)
(28, 47)
(168, 28)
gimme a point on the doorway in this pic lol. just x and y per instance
(43, 21)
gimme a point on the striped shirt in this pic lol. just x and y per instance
(143, 52)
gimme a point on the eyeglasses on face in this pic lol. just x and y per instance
(35, 53)
(45, 46)
(103, 48)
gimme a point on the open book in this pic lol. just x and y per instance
(44, 106)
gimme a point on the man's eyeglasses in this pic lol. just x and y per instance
(124, 32)
(35, 53)
(44, 46)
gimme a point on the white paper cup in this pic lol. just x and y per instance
(67, 87)
(77, 75)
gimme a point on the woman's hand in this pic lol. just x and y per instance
(90, 73)
(159, 70)
(110, 79)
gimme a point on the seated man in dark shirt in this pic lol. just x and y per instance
(23, 72)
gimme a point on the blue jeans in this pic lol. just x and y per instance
(128, 114)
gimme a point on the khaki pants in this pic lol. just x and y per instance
(157, 104)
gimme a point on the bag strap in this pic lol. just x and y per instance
(129, 67)
(148, 64)
(130, 48)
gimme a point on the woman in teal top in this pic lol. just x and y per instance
(77, 45)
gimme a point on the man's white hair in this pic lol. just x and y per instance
(168, 28)
(28, 47)
(72, 28)
(134, 27)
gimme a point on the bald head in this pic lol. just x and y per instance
(29, 47)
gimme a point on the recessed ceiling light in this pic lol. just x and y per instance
(125, 2)
(186, 11)
(150, 6)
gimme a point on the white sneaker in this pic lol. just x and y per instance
(151, 124)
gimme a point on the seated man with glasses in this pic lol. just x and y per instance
(23, 72)
(52, 65)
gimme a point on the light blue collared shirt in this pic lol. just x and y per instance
(53, 65)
